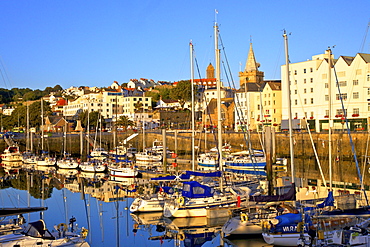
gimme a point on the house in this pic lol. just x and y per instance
(56, 124)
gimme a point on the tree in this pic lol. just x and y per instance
(182, 92)
(124, 121)
(138, 106)
(91, 119)
(165, 91)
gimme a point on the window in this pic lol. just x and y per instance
(312, 114)
(305, 101)
(356, 111)
(326, 112)
(368, 91)
(326, 97)
(295, 82)
(311, 70)
(311, 80)
(342, 95)
(339, 112)
(355, 82)
(295, 72)
(305, 90)
(356, 95)
(304, 71)
(296, 102)
(295, 91)
(326, 85)
(304, 80)
(311, 89)
(311, 101)
(343, 83)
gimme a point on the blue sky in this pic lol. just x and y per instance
(93, 43)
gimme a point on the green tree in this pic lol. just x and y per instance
(182, 92)
(138, 106)
(91, 119)
(124, 122)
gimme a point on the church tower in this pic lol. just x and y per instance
(251, 73)
(210, 71)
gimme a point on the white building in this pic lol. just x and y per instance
(310, 91)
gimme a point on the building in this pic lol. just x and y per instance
(310, 89)
(210, 115)
(257, 102)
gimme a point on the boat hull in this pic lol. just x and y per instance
(140, 205)
(235, 226)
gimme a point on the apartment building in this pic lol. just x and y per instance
(319, 94)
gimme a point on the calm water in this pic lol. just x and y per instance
(102, 206)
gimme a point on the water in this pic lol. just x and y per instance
(102, 206)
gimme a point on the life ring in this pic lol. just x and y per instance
(243, 217)
(181, 200)
(60, 225)
(181, 237)
(84, 232)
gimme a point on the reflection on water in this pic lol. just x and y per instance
(101, 205)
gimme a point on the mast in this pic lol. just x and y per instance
(42, 125)
(28, 129)
(143, 122)
(219, 119)
(192, 108)
(330, 121)
(289, 106)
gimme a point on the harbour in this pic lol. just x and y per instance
(102, 203)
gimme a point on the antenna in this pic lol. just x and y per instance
(216, 13)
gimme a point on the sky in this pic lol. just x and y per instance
(93, 43)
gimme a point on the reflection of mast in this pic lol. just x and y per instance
(100, 208)
(87, 207)
(65, 205)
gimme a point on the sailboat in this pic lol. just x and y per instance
(196, 199)
(11, 153)
(67, 162)
(37, 234)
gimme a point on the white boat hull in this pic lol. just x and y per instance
(236, 226)
(286, 239)
(124, 172)
(93, 167)
(67, 164)
(140, 205)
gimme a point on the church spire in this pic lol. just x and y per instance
(251, 64)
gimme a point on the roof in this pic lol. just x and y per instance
(365, 57)
(348, 59)
(274, 85)
(62, 102)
